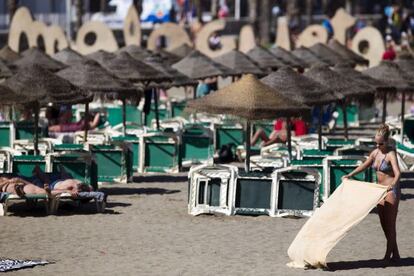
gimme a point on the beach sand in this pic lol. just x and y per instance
(147, 231)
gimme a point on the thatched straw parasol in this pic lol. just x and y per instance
(182, 51)
(250, 99)
(35, 56)
(91, 76)
(380, 86)
(198, 67)
(340, 84)
(100, 56)
(264, 59)
(136, 52)
(239, 62)
(302, 89)
(328, 55)
(36, 82)
(307, 56)
(5, 72)
(8, 55)
(346, 53)
(169, 58)
(391, 73)
(288, 58)
(69, 56)
(178, 79)
(9, 97)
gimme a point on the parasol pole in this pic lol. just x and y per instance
(248, 133)
(124, 114)
(86, 118)
(384, 108)
(289, 137)
(36, 129)
(345, 118)
(320, 128)
(157, 116)
(402, 115)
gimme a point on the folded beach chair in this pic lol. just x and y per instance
(253, 193)
(211, 189)
(334, 167)
(7, 134)
(334, 143)
(296, 192)
(267, 164)
(197, 144)
(160, 152)
(225, 134)
(309, 141)
(280, 150)
(313, 164)
(113, 161)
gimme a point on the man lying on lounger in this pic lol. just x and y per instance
(60, 182)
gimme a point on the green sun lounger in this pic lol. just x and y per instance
(160, 152)
(296, 192)
(197, 144)
(7, 134)
(114, 161)
(335, 167)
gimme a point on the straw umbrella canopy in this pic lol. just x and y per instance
(198, 66)
(328, 55)
(302, 89)
(239, 62)
(250, 99)
(178, 79)
(100, 56)
(264, 59)
(288, 57)
(8, 55)
(340, 84)
(68, 56)
(169, 58)
(45, 87)
(35, 56)
(307, 56)
(346, 53)
(391, 73)
(5, 71)
(135, 51)
(9, 97)
(91, 76)
(182, 50)
(380, 86)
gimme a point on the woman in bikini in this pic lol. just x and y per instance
(384, 161)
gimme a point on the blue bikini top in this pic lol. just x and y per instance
(384, 167)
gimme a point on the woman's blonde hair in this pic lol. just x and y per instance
(383, 131)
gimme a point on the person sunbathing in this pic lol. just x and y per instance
(60, 182)
(65, 124)
(20, 187)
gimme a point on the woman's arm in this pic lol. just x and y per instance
(395, 169)
(361, 167)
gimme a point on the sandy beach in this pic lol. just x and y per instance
(147, 231)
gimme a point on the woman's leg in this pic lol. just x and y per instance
(381, 215)
(260, 134)
(390, 212)
(33, 189)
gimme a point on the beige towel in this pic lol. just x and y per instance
(345, 208)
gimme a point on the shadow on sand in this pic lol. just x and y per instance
(137, 191)
(373, 263)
